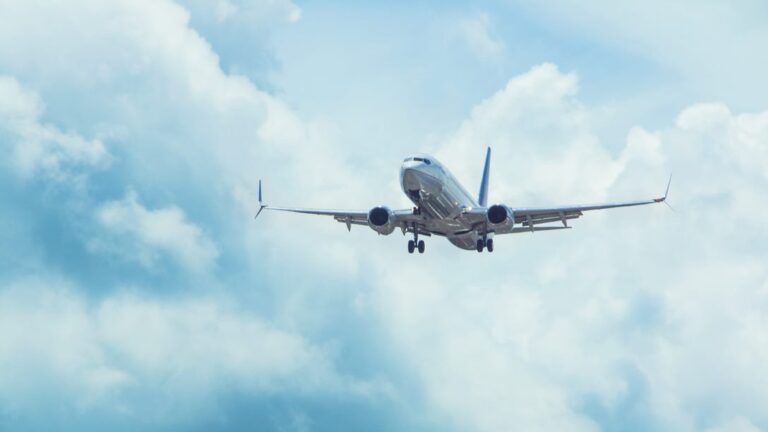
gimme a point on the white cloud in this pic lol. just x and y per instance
(148, 359)
(42, 148)
(477, 32)
(632, 310)
(142, 234)
(183, 117)
(227, 126)
(225, 9)
(535, 330)
(737, 424)
(284, 8)
(252, 11)
(659, 32)
(739, 137)
(536, 127)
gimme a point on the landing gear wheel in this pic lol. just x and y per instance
(489, 245)
(480, 245)
(415, 243)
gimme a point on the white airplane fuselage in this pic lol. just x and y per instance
(440, 198)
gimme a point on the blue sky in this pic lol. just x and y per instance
(138, 293)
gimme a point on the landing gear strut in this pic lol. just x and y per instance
(415, 243)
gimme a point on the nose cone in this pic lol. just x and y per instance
(411, 164)
(409, 173)
(415, 177)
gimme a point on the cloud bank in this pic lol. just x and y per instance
(136, 289)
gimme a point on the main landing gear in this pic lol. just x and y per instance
(415, 243)
(485, 243)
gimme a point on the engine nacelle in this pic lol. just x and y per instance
(381, 220)
(500, 215)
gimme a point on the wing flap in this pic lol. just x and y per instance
(534, 229)
(547, 218)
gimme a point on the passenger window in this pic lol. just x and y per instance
(427, 161)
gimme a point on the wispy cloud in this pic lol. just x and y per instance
(127, 354)
(135, 232)
(38, 148)
(478, 33)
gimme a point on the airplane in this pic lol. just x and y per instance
(442, 207)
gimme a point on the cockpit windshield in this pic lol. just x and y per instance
(418, 159)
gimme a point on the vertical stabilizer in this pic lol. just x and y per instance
(482, 198)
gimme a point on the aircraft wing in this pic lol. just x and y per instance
(529, 217)
(526, 219)
(349, 217)
(356, 217)
(400, 218)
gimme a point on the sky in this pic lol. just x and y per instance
(137, 292)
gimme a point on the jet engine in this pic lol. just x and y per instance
(500, 215)
(381, 220)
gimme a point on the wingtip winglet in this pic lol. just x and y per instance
(666, 192)
(261, 204)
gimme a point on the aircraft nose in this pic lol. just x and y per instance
(409, 173)
(410, 178)
(415, 179)
(411, 164)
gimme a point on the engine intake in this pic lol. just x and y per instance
(378, 216)
(381, 220)
(498, 214)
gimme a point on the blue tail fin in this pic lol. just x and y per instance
(483, 196)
